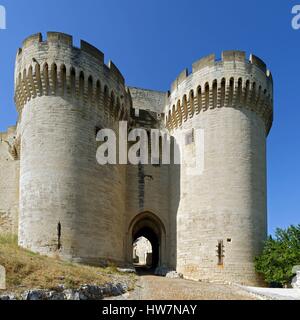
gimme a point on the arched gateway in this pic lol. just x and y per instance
(149, 226)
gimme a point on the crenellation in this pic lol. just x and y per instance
(182, 76)
(233, 55)
(91, 50)
(32, 40)
(207, 61)
(241, 82)
(49, 173)
(115, 72)
(72, 72)
(258, 63)
(59, 38)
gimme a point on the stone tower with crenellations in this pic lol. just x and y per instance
(61, 202)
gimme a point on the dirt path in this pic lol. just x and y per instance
(160, 288)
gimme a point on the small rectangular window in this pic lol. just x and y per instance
(189, 137)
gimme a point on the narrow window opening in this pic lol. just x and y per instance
(59, 236)
(215, 93)
(220, 251)
(206, 96)
(199, 100)
(63, 78)
(231, 91)
(192, 104)
(223, 92)
(81, 85)
(185, 108)
(73, 81)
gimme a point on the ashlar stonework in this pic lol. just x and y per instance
(61, 202)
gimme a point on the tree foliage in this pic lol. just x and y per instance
(279, 256)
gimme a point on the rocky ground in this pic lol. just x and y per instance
(29, 276)
(33, 277)
(150, 287)
(85, 292)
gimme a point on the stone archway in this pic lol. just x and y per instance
(148, 225)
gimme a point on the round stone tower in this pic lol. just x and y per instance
(70, 206)
(221, 211)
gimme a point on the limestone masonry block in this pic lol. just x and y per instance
(61, 202)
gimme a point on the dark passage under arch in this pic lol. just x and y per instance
(149, 234)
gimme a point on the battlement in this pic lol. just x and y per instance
(54, 66)
(232, 81)
(231, 56)
(59, 38)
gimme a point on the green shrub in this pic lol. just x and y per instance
(279, 256)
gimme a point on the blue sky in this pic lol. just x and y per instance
(152, 41)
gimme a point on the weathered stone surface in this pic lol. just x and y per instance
(174, 275)
(85, 292)
(91, 292)
(8, 297)
(9, 184)
(43, 295)
(296, 281)
(207, 226)
(35, 295)
(148, 99)
(71, 294)
(113, 289)
(126, 270)
(54, 295)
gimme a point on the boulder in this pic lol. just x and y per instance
(8, 297)
(85, 292)
(91, 292)
(114, 290)
(56, 295)
(174, 275)
(40, 294)
(71, 294)
(37, 294)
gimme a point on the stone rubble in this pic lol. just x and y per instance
(126, 270)
(85, 292)
(174, 275)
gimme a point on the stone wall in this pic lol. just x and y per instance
(9, 184)
(222, 214)
(147, 192)
(208, 226)
(70, 205)
(227, 203)
(148, 99)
